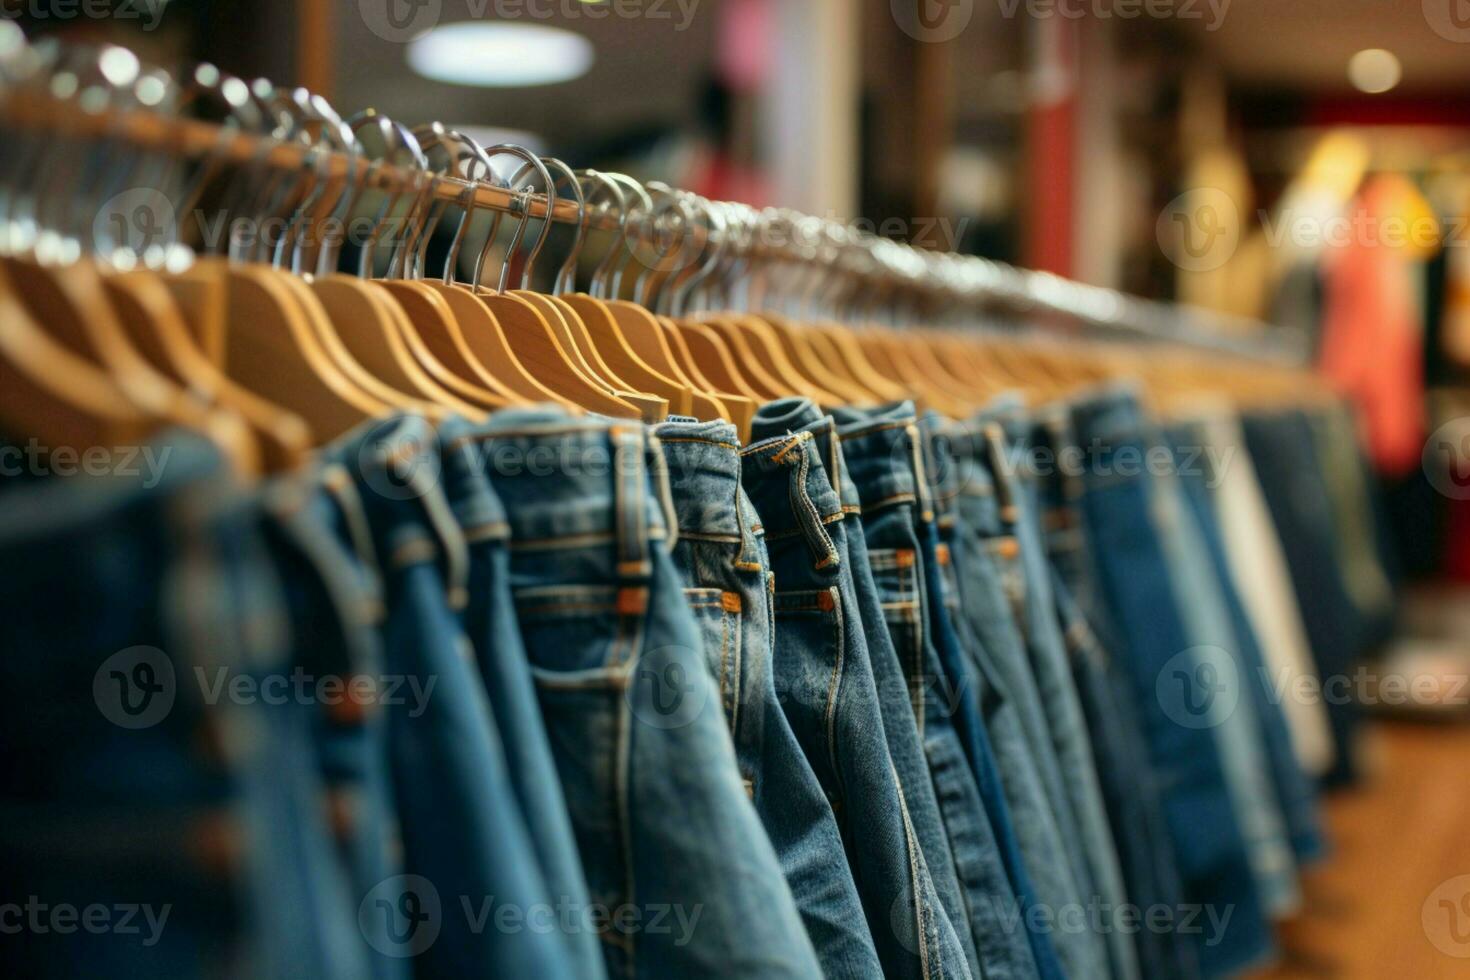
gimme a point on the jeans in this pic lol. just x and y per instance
(1284, 451)
(334, 610)
(825, 676)
(882, 450)
(728, 582)
(131, 782)
(1006, 430)
(793, 415)
(489, 621)
(466, 847)
(670, 841)
(1152, 644)
(1294, 791)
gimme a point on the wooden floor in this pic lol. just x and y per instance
(1386, 904)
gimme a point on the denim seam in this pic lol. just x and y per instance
(922, 914)
(838, 666)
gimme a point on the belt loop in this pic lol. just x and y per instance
(921, 483)
(1004, 489)
(664, 480)
(630, 483)
(797, 454)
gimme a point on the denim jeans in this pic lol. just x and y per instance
(334, 611)
(1284, 451)
(670, 841)
(1006, 431)
(727, 574)
(794, 415)
(830, 697)
(130, 782)
(1153, 644)
(1129, 785)
(466, 849)
(882, 450)
(1215, 692)
(489, 620)
(1294, 791)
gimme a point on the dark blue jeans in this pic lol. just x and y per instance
(1296, 793)
(883, 450)
(683, 878)
(489, 620)
(1289, 468)
(825, 677)
(788, 417)
(1133, 577)
(155, 823)
(467, 853)
(729, 584)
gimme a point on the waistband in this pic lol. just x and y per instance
(577, 481)
(704, 472)
(787, 482)
(884, 451)
(791, 415)
(1108, 414)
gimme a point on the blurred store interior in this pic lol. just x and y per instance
(1298, 163)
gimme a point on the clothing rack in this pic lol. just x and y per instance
(950, 284)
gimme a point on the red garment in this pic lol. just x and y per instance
(1372, 330)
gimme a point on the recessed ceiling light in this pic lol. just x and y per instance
(1374, 70)
(499, 55)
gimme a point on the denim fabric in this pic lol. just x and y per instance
(1129, 785)
(131, 784)
(334, 611)
(489, 620)
(1132, 795)
(1214, 692)
(466, 849)
(882, 452)
(1133, 575)
(671, 844)
(794, 415)
(825, 677)
(728, 583)
(1283, 449)
(1294, 791)
(1006, 429)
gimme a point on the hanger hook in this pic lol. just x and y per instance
(398, 142)
(523, 207)
(717, 243)
(599, 275)
(568, 267)
(614, 289)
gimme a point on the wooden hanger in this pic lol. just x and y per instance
(153, 319)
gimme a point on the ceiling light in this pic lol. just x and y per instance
(1374, 70)
(499, 55)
